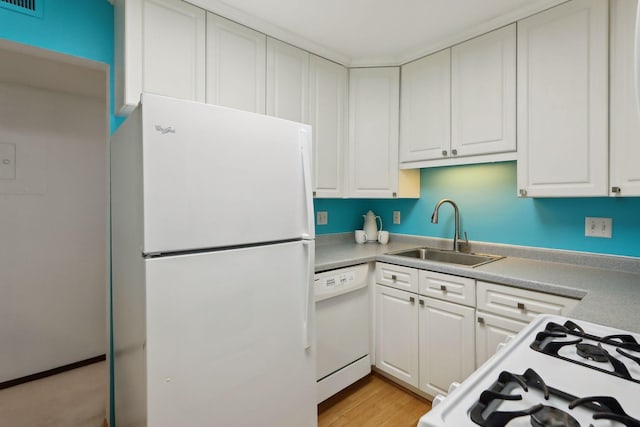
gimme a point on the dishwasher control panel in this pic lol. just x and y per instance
(336, 282)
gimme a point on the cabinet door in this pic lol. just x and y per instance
(160, 48)
(328, 117)
(492, 330)
(625, 114)
(425, 114)
(446, 344)
(287, 81)
(396, 334)
(563, 101)
(236, 65)
(483, 94)
(373, 131)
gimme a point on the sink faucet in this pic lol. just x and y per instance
(456, 232)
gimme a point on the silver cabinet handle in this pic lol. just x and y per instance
(444, 152)
(422, 302)
(443, 288)
(521, 306)
(523, 192)
(394, 277)
(616, 190)
(481, 320)
(412, 300)
(454, 152)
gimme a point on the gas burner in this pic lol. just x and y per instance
(592, 352)
(548, 416)
(555, 337)
(539, 379)
(485, 411)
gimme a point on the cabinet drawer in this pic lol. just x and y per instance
(398, 277)
(460, 290)
(520, 304)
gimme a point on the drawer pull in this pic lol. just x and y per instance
(422, 302)
(443, 288)
(521, 306)
(481, 320)
(412, 300)
(394, 277)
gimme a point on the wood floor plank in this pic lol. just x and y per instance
(372, 401)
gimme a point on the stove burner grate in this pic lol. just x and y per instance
(546, 342)
(603, 407)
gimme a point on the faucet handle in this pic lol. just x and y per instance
(464, 246)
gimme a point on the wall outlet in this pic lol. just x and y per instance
(396, 217)
(598, 227)
(322, 218)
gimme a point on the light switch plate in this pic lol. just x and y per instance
(598, 227)
(396, 217)
(322, 218)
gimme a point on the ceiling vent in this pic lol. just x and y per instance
(29, 7)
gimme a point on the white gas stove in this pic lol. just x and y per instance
(555, 372)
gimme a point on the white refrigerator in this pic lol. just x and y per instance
(212, 268)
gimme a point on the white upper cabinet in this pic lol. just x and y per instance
(374, 97)
(624, 138)
(328, 83)
(425, 129)
(458, 105)
(159, 48)
(287, 81)
(483, 94)
(563, 101)
(236, 65)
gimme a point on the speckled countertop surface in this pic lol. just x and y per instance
(609, 292)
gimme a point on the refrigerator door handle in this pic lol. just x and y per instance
(306, 172)
(309, 297)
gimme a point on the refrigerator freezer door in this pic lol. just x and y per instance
(218, 177)
(225, 339)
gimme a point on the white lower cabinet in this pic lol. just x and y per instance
(491, 331)
(520, 304)
(504, 310)
(428, 333)
(446, 339)
(396, 334)
(422, 341)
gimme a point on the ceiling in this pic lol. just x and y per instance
(374, 32)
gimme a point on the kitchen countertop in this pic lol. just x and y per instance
(609, 296)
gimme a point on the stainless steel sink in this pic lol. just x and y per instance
(450, 257)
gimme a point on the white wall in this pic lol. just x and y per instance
(53, 230)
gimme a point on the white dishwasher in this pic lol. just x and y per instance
(342, 328)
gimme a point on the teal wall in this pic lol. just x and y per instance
(491, 212)
(82, 28)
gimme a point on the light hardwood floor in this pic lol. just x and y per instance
(372, 401)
